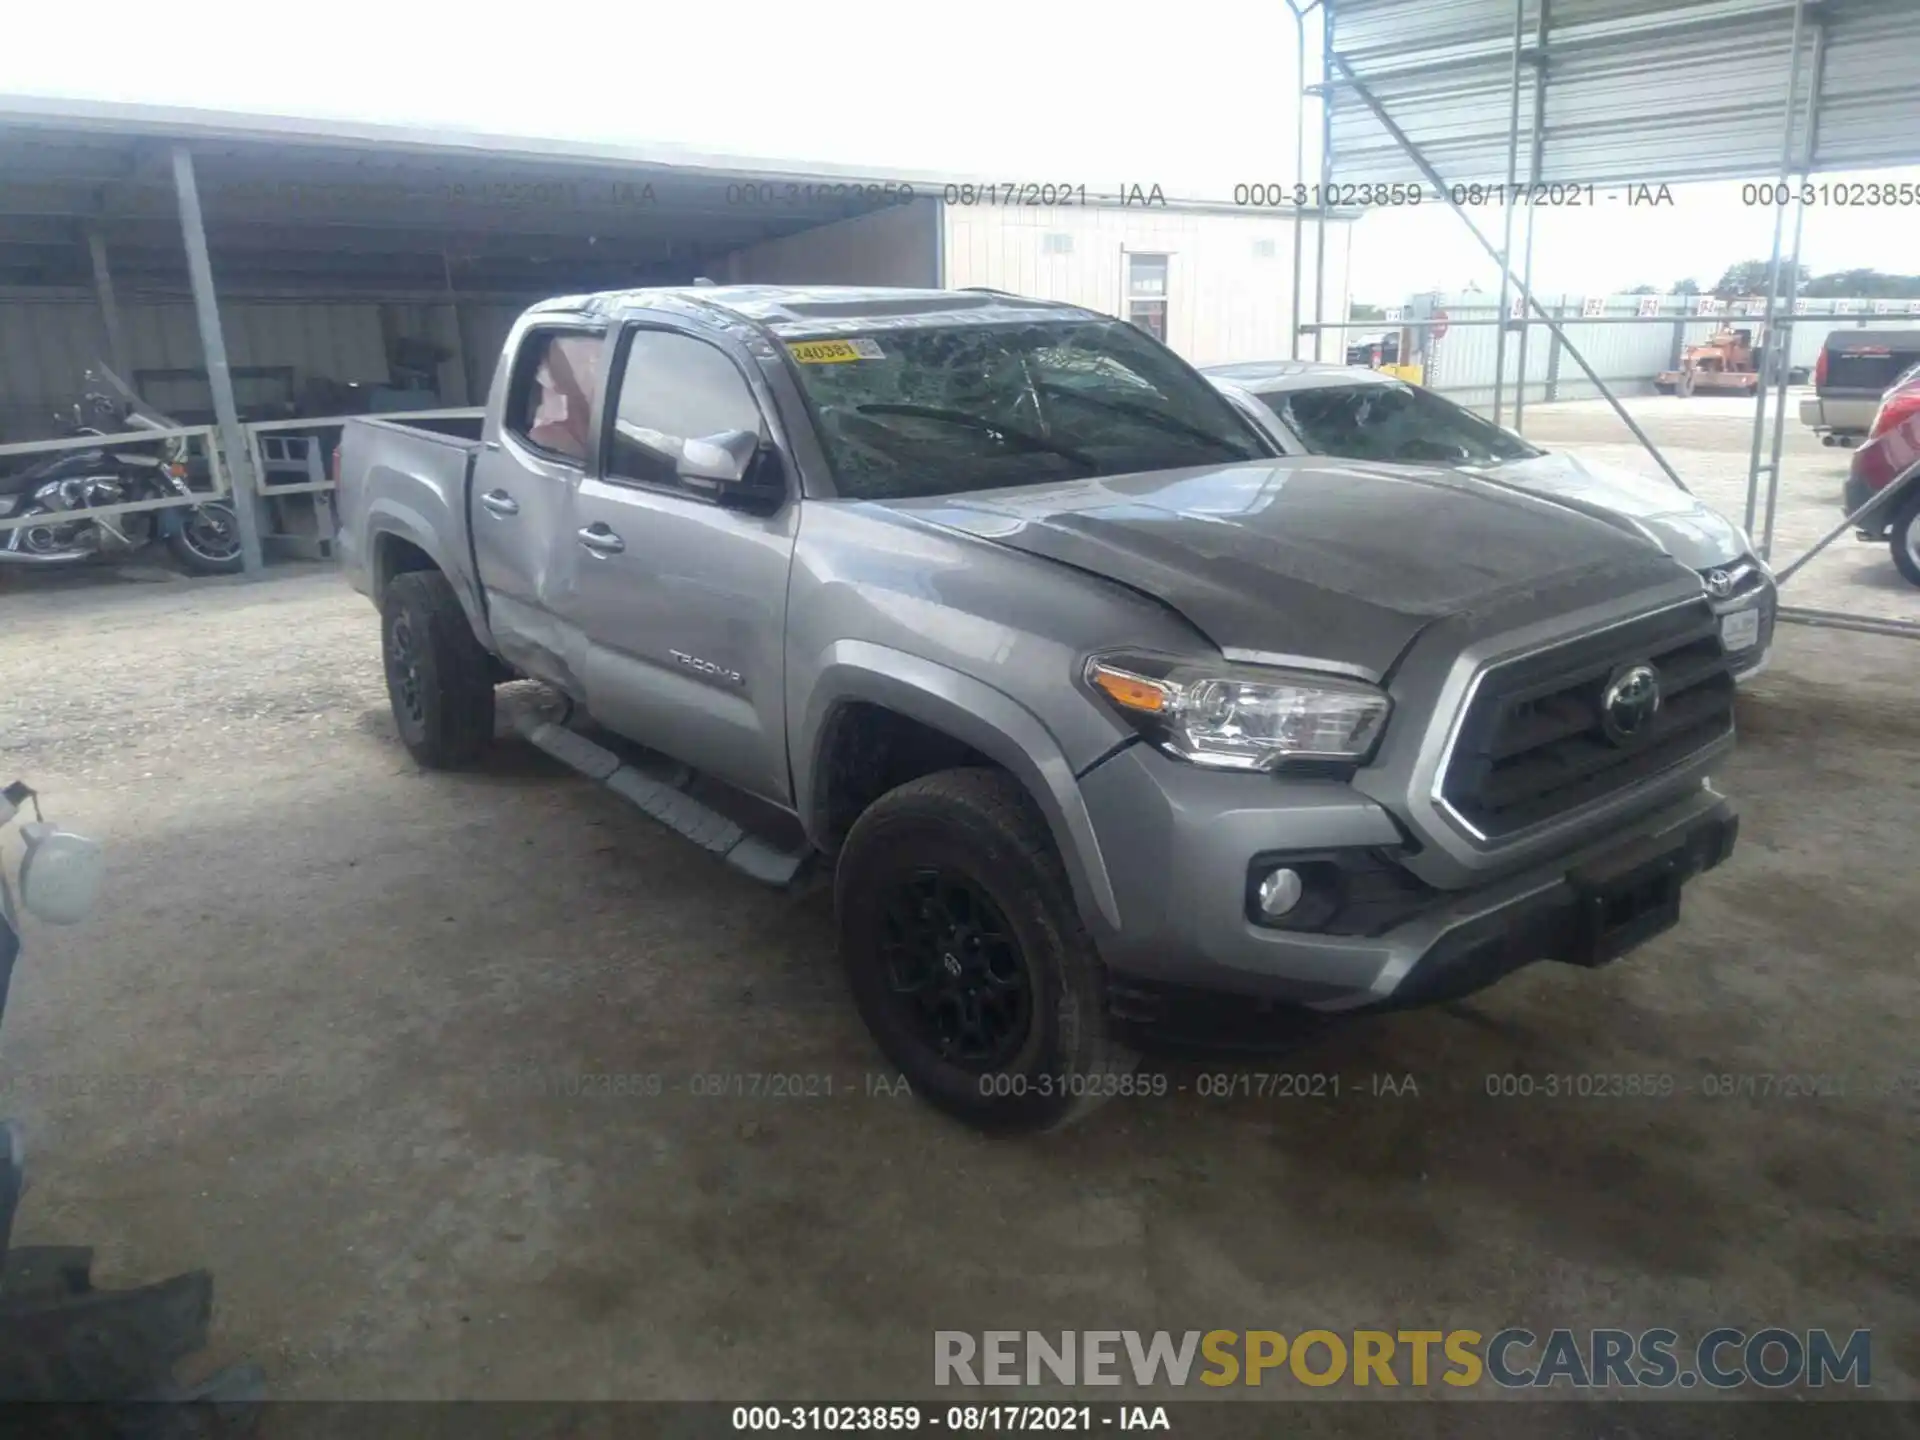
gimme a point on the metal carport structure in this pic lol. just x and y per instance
(1518, 93)
(113, 198)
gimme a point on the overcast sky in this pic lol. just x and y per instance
(1195, 99)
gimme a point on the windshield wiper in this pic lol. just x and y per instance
(1157, 418)
(1023, 438)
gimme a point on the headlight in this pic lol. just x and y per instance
(1243, 717)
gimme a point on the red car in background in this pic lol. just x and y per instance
(1888, 466)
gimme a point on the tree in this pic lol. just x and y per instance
(1357, 311)
(1868, 284)
(1642, 290)
(1749, 277)
(1688, 286)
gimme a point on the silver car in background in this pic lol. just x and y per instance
(1347, 412)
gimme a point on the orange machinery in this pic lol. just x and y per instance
(1725, 363)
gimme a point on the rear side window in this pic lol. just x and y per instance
(550, 403)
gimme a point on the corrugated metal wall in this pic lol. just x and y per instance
(48, 340)
(1638, 90)
(49, 337)
(1229, 275)
(483, 329)
(1627, 357)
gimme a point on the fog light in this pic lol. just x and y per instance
(1280, 892)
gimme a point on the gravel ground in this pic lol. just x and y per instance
(296, 1046)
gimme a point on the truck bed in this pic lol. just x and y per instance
(417, 469)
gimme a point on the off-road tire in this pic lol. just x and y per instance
(982, 824)
(1905, 539)
(446, 722)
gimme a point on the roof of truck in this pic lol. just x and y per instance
(1273, 375)
(1904, 339)
(811, 310)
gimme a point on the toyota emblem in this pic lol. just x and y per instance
(1629, 703)
(1719, 584)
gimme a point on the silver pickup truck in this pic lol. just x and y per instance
(1116, 726)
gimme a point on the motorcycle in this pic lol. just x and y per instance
(61, 1340)
(67, 484)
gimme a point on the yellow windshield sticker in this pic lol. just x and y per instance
(834, 352)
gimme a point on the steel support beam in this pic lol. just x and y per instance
(1439, 183)
(1840, 620)
(1326, 180)
(1536, 159)
(1506, 205)
(1790, 123)
(1809, 138)
(1875, 503)
(109, 307)
(462, 386)
(233, 442)
(1300, 168)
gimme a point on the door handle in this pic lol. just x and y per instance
(500, 502)
(601, 540)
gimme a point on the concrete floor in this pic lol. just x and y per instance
(1708, 440)
(294, 1044)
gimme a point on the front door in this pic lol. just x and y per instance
(681, 602)
(522, 497)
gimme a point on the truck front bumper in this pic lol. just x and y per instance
(1191, 964)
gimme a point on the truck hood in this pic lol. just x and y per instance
(1696, 535)
(1329, 563)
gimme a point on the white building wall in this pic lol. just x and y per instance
(894, 246)
(1229, 274)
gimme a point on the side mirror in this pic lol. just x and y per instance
(718, 459)
(60, 874)
(711, 462)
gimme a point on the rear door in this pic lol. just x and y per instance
(532, 457)
(681, 601)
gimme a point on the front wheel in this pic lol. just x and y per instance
(207, 541)
(1906, 539)
(967, 958)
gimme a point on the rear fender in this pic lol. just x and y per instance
(391, 519)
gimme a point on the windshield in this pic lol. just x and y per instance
(938, 410)
(1393, 421)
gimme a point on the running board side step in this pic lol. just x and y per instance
(665, 800)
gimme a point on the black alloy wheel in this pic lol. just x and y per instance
(955, 968)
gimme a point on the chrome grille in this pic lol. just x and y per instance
(1531, 746)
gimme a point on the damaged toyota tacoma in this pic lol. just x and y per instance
(1114, 725)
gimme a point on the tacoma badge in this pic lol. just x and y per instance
(707, 667)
